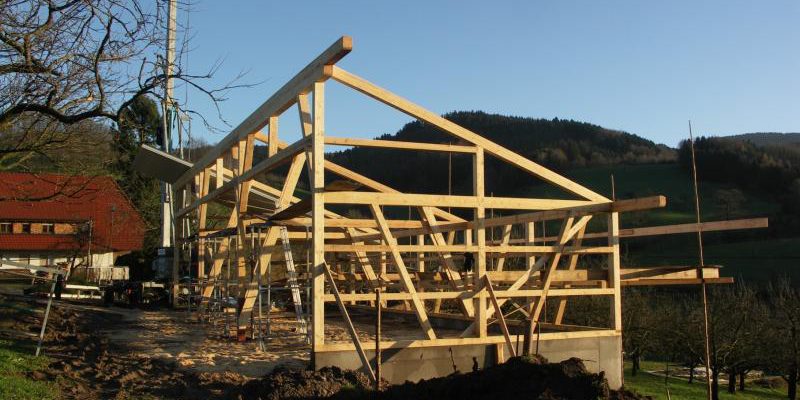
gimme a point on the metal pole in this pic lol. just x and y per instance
(46, 315)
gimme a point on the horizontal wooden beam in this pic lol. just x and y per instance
(643, 203)
(435, 200)
(711, 226)
(470, 294)
(461, 248)
(398, 145)
(676, 282)
(447, 342)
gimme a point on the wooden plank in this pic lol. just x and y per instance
(399, 145)
(665, 282)
(530, 237)
(749, 223)
(245, 165)
(437, 121)
(300, 208)
(251, 290)
(567, 233)
(349, 323)
(263, 166)
(292, 177)
(504, 242)
(276, 104)
(434, 200)
(500, 318)
(573, 263)
(445, 257)
(272, 144)
(419, 306)
(363, 262)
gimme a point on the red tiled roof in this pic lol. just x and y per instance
(60, 198)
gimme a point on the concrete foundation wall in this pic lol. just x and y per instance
(413, 364)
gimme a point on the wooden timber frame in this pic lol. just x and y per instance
(417, 260)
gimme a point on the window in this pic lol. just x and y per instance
(6, 227)
(26, 228)
(48, 228)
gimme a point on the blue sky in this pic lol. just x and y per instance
(639, 66)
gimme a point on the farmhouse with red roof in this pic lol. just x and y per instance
(47, 219)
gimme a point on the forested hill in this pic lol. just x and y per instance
(768, 138)
(558, 144)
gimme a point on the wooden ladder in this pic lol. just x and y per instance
(291, 279)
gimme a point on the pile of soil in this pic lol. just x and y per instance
(518, 378)
(328, 382)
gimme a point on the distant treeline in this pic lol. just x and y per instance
(558, 144)
(771, 170)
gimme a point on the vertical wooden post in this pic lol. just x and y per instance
(614, 280)
(614, 270)
(272, 145)
(480, 233)
(318, 218)
(530, 237)
(377, 339)
(421, 256)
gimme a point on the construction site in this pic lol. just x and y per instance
(284, 274)
(338, 271)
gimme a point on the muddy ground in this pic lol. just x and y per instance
(121, 353)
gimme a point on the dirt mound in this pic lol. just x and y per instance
(518, 378)
(285, 383)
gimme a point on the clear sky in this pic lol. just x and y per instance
(644, 67)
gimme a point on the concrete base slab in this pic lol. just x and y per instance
(412, 364)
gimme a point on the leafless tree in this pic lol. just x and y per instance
(64, 62)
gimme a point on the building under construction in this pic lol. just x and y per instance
(337, 269)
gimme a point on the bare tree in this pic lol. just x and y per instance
(69, 61)
(783, 337)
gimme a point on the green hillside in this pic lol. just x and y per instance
(737, 180)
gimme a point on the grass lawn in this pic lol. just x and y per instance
(652, 385)
(17, 362)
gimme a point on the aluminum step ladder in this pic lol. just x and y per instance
(291, 279)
